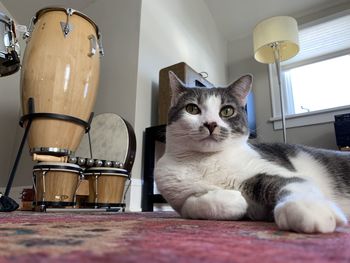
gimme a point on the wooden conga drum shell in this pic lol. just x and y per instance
(56, 185)
(62, 76)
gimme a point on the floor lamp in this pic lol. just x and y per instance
(276, 40)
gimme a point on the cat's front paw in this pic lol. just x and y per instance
(217, 204)
(308, 215)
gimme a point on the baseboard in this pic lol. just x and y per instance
(133, 200)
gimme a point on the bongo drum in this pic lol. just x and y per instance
(106, 186)
(60, 72)
(9, 47)
(55, 184)
(113, 143)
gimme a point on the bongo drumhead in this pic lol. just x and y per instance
(112, 138)
(106, 171)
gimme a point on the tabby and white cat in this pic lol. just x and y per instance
(210, 171)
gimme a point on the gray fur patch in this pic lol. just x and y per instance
(278, 153)
(337, 164)
(263, 192)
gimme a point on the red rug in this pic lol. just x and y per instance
(158, 237)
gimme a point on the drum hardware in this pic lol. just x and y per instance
(9, 47)
(44, 115)
(29, 30)
(99, 41)
(92, 45)
(12, 46)
(90, 162)
(56, 116)
(12, 59)
(7, 204)
(66, 26)
(107, 163)
(81, 161)
(87, 162)
(98, 163)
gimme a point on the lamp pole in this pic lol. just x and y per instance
(276, 52)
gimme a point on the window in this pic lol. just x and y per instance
(316, 82)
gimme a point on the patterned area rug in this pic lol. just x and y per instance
(158, 237)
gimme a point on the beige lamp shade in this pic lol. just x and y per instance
(279, 29)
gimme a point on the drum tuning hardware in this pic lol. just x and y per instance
(98, 163)
(72, 159)
(93, 45)
(28, 32)
(66, 27)
(90, 162)
(81, 161)
(99, 40)
(107, 163)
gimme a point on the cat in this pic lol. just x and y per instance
(210, 171)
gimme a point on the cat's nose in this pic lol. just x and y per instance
(210, 126)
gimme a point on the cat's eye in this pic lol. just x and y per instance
(227, 111)
(192, 109)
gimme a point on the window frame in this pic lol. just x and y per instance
(307, 118)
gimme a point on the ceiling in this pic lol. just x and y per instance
(23, 11)
(235, 19)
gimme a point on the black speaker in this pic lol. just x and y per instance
(342, 129)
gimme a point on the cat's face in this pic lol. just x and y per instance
(208, 120)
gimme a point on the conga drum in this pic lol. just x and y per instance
(56, 183)
(60, 75)
(9, 47)
(106, 186)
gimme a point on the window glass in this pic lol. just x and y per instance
(318, 86)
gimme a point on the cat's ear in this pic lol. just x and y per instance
(177, 87)
(241, 88)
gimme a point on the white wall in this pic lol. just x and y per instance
(173, 31)
(119, 22)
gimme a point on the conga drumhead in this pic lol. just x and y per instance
(112, 138)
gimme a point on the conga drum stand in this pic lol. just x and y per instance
(7, 204)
